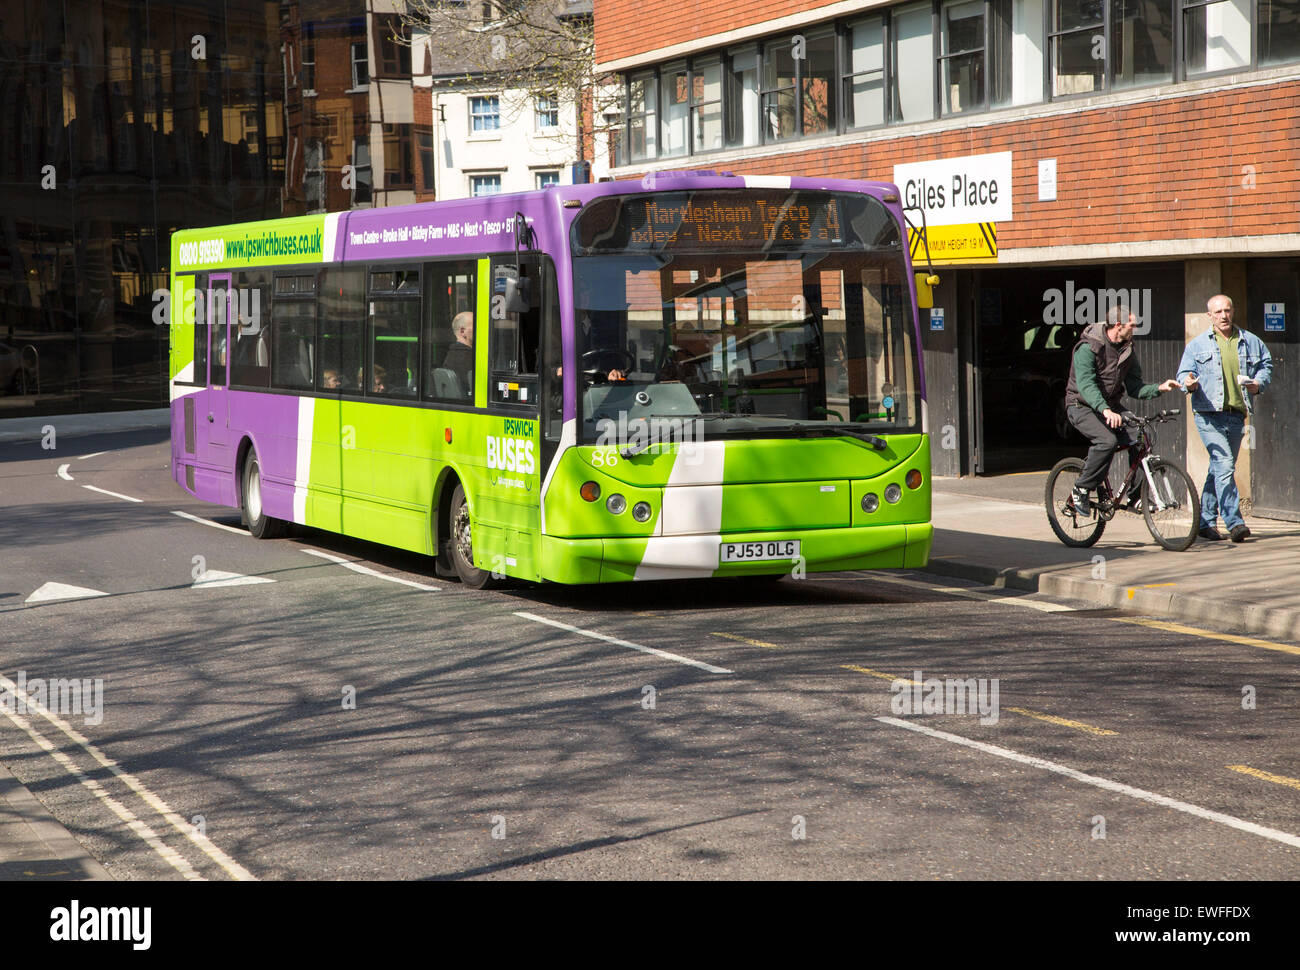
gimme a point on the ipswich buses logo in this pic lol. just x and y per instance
(513, 451)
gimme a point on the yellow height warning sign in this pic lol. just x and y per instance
(976, 242)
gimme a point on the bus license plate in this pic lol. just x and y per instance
(760, 551)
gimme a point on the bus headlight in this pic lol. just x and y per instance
(616, 504)
(589, 491)
(893, 493)
(870, 502)
(642, 511)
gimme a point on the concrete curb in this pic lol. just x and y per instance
(1283, 624)
(52, 852)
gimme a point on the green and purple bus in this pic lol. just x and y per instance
(692, 375)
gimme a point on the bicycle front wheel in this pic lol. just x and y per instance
(1070, 527)
(1173, 512)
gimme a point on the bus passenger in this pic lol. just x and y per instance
(460, 358)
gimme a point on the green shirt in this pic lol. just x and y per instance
(1085, 377)
(1232, 399)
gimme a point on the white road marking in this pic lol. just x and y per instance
(366, 571)
(215, 525)
(148, 835)
(627, 643)
(104, 491)
(215, 577)
(50, 592)
(1286, 838)
(980, 593)
(93, 454)
(63, 472)
(232, 868)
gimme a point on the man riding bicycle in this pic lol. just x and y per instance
(1102, 368)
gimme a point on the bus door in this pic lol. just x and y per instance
(217, 418)
(509, 504)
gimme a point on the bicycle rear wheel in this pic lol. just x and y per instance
(1070, 527)
(1174, 512)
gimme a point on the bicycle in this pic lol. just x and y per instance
(1158, 489)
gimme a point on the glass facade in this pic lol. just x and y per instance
(121, 121)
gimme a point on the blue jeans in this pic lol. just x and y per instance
(1221, 431)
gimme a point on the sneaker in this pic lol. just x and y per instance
(1081, 505)
(1239, 532)
(1210, 532)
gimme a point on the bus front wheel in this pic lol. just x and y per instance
(462, 552)
(261, 525)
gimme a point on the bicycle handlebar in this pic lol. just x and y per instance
(1131, 418)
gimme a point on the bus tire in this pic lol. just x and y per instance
(459, 542)
(261, 525)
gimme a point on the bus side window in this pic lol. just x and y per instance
(393, 330)
(449, 362)
(341, 308)
(251, 310)
(199, 282)
(515, 338)
(293, 332)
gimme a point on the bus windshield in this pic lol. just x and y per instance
(775, 314)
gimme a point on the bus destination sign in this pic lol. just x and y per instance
(758, 222)
(739, 220)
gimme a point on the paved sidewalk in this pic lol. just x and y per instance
(32, 429)
(34, 847)
(995, 531)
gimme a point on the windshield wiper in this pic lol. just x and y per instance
(840, 431)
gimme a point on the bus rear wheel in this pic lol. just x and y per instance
(462, 551)
(261, 525)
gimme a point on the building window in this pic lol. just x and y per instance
(309, 65)
(399, 171)
(912, 53)
(642, 117)
(706, 105)
(394, 46)
(1015, 52)
(1142, 41)
(485, 184)
(673, 110)
(1094, 48)
(779, 106)
(547, 178)
(424, 144)
(485, 114)
(361, 188)
(360, 64)
(1078, 44)
(1278, 32)
(1216, 35)
(313, 180)
(864, 84)
(817, 84)
(546, 113)
(741, 107)
(961, 65)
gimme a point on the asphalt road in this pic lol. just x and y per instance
(326, 723)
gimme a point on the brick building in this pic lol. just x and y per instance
(1144, 147)
(349, 102)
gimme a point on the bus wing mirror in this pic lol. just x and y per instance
(516, 291)
(925, 284)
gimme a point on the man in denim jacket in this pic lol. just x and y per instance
(1222, 370)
